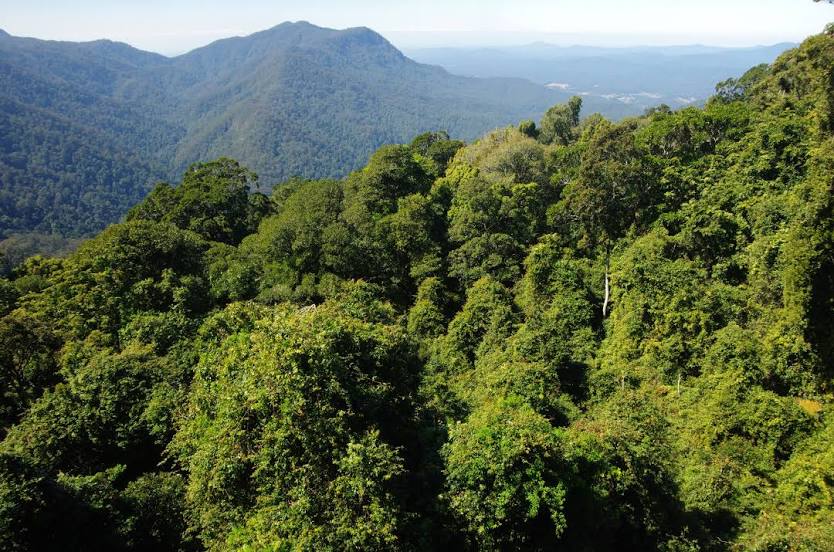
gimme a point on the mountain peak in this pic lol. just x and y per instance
(362, 39)
(299, 24)
(365, 33)
(361, 45)
(303, 26)
(293, 29)
(304, 32)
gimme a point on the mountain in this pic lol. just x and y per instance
(86, 128)
(636, 77)
(74, 155)
(298, 96)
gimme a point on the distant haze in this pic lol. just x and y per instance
(176, 26)
(636, 77)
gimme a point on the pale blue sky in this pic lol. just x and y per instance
(175, 26)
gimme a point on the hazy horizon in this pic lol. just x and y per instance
(465, 41)
(173, 28)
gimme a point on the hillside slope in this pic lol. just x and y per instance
(293, 100)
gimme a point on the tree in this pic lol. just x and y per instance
(292, 245)
(559, 123)
(8, 296)
(506, 477)
(492, 222)
(96, 420)
(213, 200)
(427, 318)
(28, 364)
(399, 360)
(735, 89)
(438, 147)
(613, 189)
(360, 243)
(317, 403)
(129, 268)
(528, 128)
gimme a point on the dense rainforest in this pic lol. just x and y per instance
(576, 334)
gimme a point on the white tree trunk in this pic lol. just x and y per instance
(607, 285)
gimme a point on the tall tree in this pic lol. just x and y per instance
(559, 123)
(614, 183)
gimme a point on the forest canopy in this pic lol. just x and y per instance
(572, 334)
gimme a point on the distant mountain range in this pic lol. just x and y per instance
(87, 128)
(636, 77)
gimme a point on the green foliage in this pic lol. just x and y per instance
(485, 320)
(94, 512)
(615, 185)
(95, 419)
(801, 502)
(625, 493)
(427, 318)
(504, 476)
(736, 89)
(528, 128)
(158, 518)
(130, 268)
(27, 364)
(8, 296)
(498, 208)
(392, 172)
(23, 498)
(212, 201)
(438, 147)
(414, 357)
(559, 123)
(317, 403)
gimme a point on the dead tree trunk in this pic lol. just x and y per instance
(607, 281)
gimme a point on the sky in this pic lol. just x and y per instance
(175, 26)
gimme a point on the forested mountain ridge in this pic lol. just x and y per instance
(576, 334)
(87, 128)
